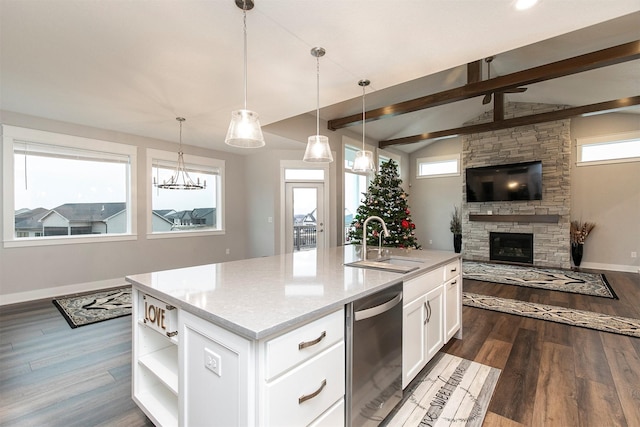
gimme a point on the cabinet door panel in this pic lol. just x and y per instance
(453, 302)
(413, 339)
(435, 322)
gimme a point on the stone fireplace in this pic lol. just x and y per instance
(511, 247)
(547, 220)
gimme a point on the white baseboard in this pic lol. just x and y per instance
(60, 291)
(611, 267)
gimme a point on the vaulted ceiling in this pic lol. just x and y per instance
(133, 66)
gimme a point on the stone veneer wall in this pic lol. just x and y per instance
(549, 142)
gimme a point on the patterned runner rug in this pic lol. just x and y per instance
(81, 310)
(553, 279)
(586, 319)
(452, 392)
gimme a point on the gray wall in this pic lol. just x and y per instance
(608, 195)
(37, 270)
(432, 199)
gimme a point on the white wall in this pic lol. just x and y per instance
(43, 271)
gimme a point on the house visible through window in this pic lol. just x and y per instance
(618, 148)
(175, 211)
(61, 187)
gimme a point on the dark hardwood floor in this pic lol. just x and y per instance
(552, 374)
(555, 374)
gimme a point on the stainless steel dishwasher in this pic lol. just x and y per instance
(374, 357)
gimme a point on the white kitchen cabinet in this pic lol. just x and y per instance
(431, 316)
(422, 323)
(434, 322)
(453, 300)
(304, 374)
(203, 374)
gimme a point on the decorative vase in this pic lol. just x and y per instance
(457, 243)
(576, 253)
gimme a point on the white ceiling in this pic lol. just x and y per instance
(134, 65)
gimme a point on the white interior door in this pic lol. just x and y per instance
(304, 216)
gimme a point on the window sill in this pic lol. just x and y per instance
(72, 240)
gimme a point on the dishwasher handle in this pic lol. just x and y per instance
(378, 309)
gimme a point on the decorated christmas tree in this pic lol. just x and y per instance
(385, 198)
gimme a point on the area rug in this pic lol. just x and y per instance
(81, 310)
(586, 319)
(452, 392)
(553, 279)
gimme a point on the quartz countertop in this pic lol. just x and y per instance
(259, 297)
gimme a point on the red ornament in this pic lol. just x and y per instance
(405, 223)
(413, 225)
(407, 211)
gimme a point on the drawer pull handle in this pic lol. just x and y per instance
(453, 270)
(454, 282)
(314, 342)
(306, 397)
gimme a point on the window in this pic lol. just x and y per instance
(177, 212)
(355, 184)
(303, 174)
(385, 156)
(65, 189)
(440, 166)
(618, 148)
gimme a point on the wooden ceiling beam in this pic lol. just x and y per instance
(578, 64)
(517, 121)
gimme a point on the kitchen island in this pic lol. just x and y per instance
(262, 341)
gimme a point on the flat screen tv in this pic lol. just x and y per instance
(515, 181)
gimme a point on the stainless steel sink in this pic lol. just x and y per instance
(396, 264)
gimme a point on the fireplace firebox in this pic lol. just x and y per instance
(511, 247)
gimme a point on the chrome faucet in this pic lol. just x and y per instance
(364, 235)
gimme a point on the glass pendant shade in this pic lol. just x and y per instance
(244, 130)
(318, 150)
(364, 162)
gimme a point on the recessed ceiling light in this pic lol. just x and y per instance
(525, 4)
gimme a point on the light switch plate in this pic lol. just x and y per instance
(213, 362)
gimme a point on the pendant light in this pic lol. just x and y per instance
(318, 149)
(181, 179)
(244, 129)
(364, 159)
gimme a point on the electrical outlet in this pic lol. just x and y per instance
(212, 362)
(228, 251)
(634, 254)
(430, 242)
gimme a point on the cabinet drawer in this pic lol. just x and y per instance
(294, 347)
(303, 394)
(333, 417)
(452, 270)
(420, 285)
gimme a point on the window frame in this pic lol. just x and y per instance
(194, 160)
(438, 159)
(15, 134)
(608, 139)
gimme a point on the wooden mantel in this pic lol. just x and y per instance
(515, 218)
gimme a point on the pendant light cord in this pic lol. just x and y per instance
(244, 11)
(317, 95)
(363, 115)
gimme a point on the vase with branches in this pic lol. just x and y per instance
(579, 232)
(456, 228)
